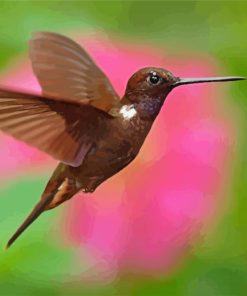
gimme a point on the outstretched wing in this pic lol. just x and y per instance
(66, 131)
(65, 70)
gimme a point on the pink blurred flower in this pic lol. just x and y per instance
(144, 219)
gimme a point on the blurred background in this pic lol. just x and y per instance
(174, 221)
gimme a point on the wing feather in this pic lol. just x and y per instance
(66, 131)
(65, 70)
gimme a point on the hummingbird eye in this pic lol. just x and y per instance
(154, 79)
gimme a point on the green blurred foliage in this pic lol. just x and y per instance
(219, 266)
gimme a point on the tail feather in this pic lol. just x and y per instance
(38, 209)
(61, 187)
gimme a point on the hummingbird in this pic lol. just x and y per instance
(79, 118)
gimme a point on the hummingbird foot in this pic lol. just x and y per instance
(87, 190)
(92, 184)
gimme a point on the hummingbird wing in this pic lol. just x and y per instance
(66, 131)
(65, 70)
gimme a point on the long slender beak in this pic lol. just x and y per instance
(181, 81)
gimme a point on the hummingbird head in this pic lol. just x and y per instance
(151, 82)
(148, 88)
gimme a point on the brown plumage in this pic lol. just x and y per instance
(80, 120)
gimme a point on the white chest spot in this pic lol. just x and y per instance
(128, 111)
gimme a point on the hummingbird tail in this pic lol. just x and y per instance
(56, 192)
(38, 209)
